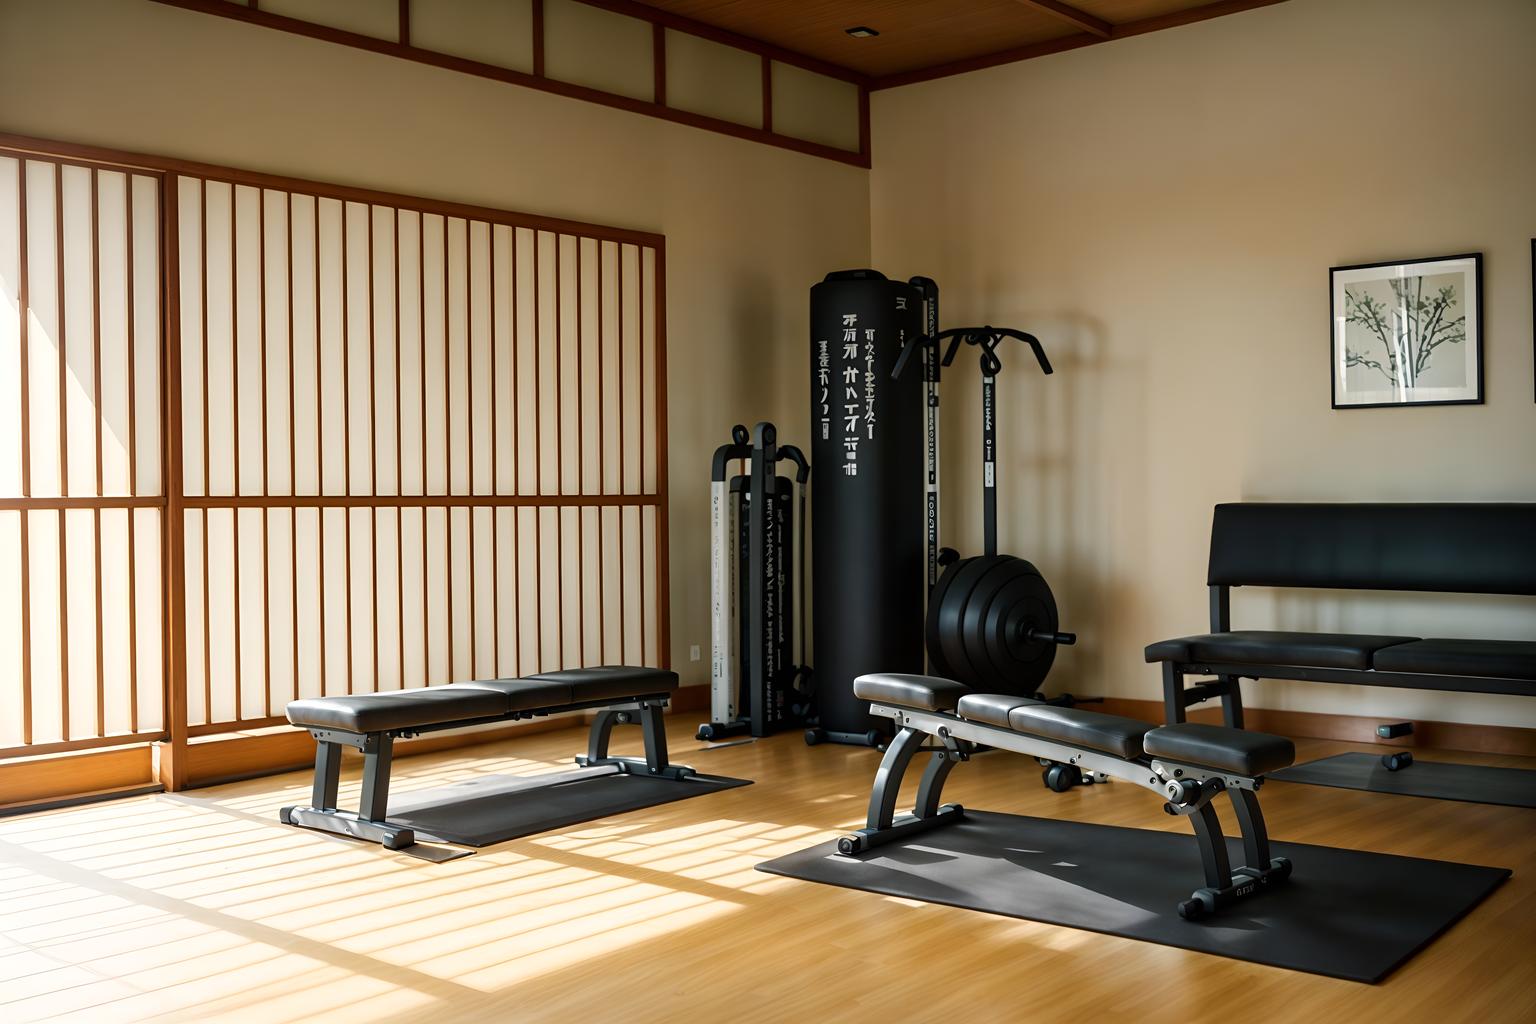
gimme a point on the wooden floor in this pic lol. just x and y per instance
(200, 906)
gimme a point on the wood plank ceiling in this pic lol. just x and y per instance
(922, 39)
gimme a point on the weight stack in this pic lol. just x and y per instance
(867, 575)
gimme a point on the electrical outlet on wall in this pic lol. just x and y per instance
(693, 653)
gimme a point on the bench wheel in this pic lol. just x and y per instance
(1061, 777)
(1192, 909)
(813, 737)
(1398, 761)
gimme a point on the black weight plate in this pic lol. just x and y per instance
(1024, 603)
(931, 626)
(993, 577)
(950, 625)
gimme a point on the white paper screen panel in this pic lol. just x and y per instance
(80, 476)
(417, 448)
(814, 107)
(498, 32)
(707, 77)
(600, 49)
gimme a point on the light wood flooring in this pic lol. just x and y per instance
(201, 906)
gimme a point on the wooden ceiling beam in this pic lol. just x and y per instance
(1072, 42)
(1070, 14)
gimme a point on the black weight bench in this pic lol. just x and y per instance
(1187, 765)
(372, 722)
(1476, 548)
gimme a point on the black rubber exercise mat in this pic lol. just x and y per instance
(1478, 784)
(495, 808)
(1343, 913)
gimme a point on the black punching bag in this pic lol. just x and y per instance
(867, 494)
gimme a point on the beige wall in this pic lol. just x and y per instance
(749, 227)
(1163, 212)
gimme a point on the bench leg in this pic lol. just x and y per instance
(374, 804)
(931, 789)
(327, 776)
(1213, 848)
(600, 733)
(1250, 818)
(893, 766)
(1225, 885)
(370, 822)
(1173, 693)
(1232, 703)
(881, 823)
(648, 714)
(653, 728)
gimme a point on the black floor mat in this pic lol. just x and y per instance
(495, 808)
(1343, 913)
(1477, 784)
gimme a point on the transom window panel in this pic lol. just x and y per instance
(81, 496)
(417, 447)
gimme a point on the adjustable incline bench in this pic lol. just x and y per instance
(1188, 765)
(372, 722)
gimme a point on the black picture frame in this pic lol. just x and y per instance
(1474, 340)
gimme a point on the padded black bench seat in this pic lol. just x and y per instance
(1514, 659)
(479, 700)
(370, 722)
(1273, 647)
(991, 708)
(1238, 751)
(397, 709)
(1095, 730)
(1248, 754)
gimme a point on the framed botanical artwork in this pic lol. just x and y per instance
(1407, 332)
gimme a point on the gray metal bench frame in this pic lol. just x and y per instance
(1187, 789)
(371, 820)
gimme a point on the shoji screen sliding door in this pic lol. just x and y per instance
(80, 441)
(263, 438)
(417, 448)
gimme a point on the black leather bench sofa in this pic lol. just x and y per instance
(1478, 548)
(371, 723)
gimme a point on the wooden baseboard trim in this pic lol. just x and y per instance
(31, 783)
(1481, 739)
